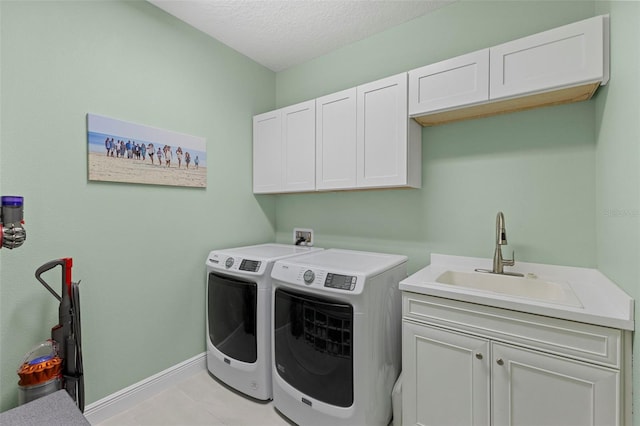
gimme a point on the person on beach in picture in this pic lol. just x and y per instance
(150, 149)
(179, 155)
(107, 145)
(196, 161)
(168, 155)
(187, 158)
(128, 146)
(121, 148)
(143, 151)
(159, 155)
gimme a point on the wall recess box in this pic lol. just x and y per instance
(303, 237)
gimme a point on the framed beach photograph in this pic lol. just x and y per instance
(119, 151)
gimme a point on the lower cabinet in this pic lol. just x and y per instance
(446, 377)
(533, 388)
(453, 377)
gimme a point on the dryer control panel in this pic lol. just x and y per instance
(232, 263)
(320, 279)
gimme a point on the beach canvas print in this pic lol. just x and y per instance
(120, 151)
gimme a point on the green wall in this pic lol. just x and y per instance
(538, 167)
(618, 162)
(138, 249)
(566, 177)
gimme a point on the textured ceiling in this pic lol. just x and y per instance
(282, 33)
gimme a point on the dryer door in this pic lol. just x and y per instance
(313, 346)
(231, 312)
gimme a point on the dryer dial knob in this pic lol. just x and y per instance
(309, 276)
(229, 262)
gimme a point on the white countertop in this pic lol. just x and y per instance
(603, 302)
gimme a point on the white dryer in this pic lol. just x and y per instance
(238, 298)
(336, 336)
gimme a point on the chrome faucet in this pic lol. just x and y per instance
(501, 240)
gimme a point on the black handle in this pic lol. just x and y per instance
(46, 267)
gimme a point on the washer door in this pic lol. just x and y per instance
(231, 311)
(313, 346)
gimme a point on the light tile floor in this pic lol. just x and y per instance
(199, 400)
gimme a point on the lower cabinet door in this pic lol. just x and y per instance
(533, 388)
(445, 377)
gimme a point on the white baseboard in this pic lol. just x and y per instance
(128, 397)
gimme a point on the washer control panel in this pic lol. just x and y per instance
(342, 282)
(230, 263)
(250, 265)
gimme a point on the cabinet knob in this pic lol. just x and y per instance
(500, 361)
(479, 355)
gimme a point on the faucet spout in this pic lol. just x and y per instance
(501, 230)
(501, 240)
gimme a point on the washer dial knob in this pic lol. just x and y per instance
(309, 276)
(229, 262)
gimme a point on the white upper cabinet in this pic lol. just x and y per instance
(267, 152)
(570, 55)
(562, 65)
(284, 149)
(459, 81)
(336, 140)
(299, 147)
(388, 143)
(357, 138)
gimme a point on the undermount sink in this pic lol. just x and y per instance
(529, 287)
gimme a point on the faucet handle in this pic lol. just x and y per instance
(510, 262)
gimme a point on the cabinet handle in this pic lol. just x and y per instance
(500, 361)
(479, 355)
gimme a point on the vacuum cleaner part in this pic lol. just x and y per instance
(67, 332)
(40, 372)
(40, 364)
(12, 232)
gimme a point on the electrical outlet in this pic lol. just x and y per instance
(303, 237)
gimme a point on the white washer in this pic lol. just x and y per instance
(336, 336)
(238, 314)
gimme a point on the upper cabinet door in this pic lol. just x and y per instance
(453, 83)
(267, 152)
(299, 147)
(382, 116)
(336, 140)
(571, 55)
